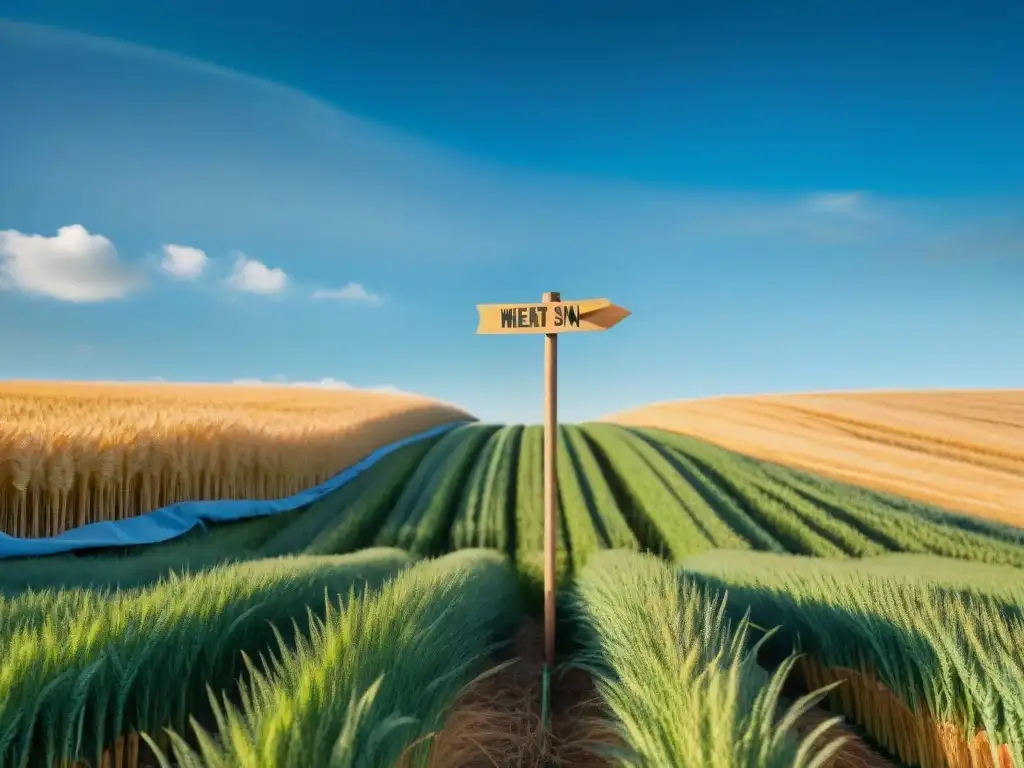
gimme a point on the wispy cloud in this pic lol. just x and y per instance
(356, 292)
(73, 265)
(305, 179)
(324, 383)
(183, 261)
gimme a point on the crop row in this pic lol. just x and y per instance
(682, 683)
(670, 494)
(249, 665)
(374, 680)
(79, 668)
(814, 515)
(930, 653)
(482, 486)
(362, 658)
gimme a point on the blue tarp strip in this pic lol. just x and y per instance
(178, 519)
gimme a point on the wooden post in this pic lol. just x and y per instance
(550, 484)
(585, 315)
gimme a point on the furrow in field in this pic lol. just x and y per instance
(427, 529)
(500, 502)
(845, 536)
(467, 527)
(657, 514)
(647, 535)
(582, 535)
(530, 491)
(427, 474)
(359, 523)
(818, 520)
(608, 518)
(790, 530)
(932, 443)
(718, 498)
(349, 518)
(490, 513)
(865, 520)
(898, 532)
(908, 526)
(703, 515)
(529, 513)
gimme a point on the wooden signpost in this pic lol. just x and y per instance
(551, 316)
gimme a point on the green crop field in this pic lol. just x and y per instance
(719, 611)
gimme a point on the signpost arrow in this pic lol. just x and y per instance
(563, 317)
(551, 317)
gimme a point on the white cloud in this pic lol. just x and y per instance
(252, 276)
(349, 292)
(73, 265)
(183, 261)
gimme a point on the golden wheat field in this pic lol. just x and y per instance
(76, 453)
(959, 449)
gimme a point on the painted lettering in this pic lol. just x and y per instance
(543, 312)
(521, 318)
(508, 318)
(534, 317)
(572, 315)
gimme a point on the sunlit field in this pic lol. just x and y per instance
(715, 608)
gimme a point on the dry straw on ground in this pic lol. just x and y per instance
(497, 721)
(960, 449)
(77, 453)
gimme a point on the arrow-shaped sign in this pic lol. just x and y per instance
(554, 317)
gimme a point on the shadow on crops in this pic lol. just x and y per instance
(221, 664)
(902, 660)
(646, 534)
(739, 526)
(512, 498)
(855, 522)
(586, 490)
(790, 543)
(125, 568)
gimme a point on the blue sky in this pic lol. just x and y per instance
(824, 195)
